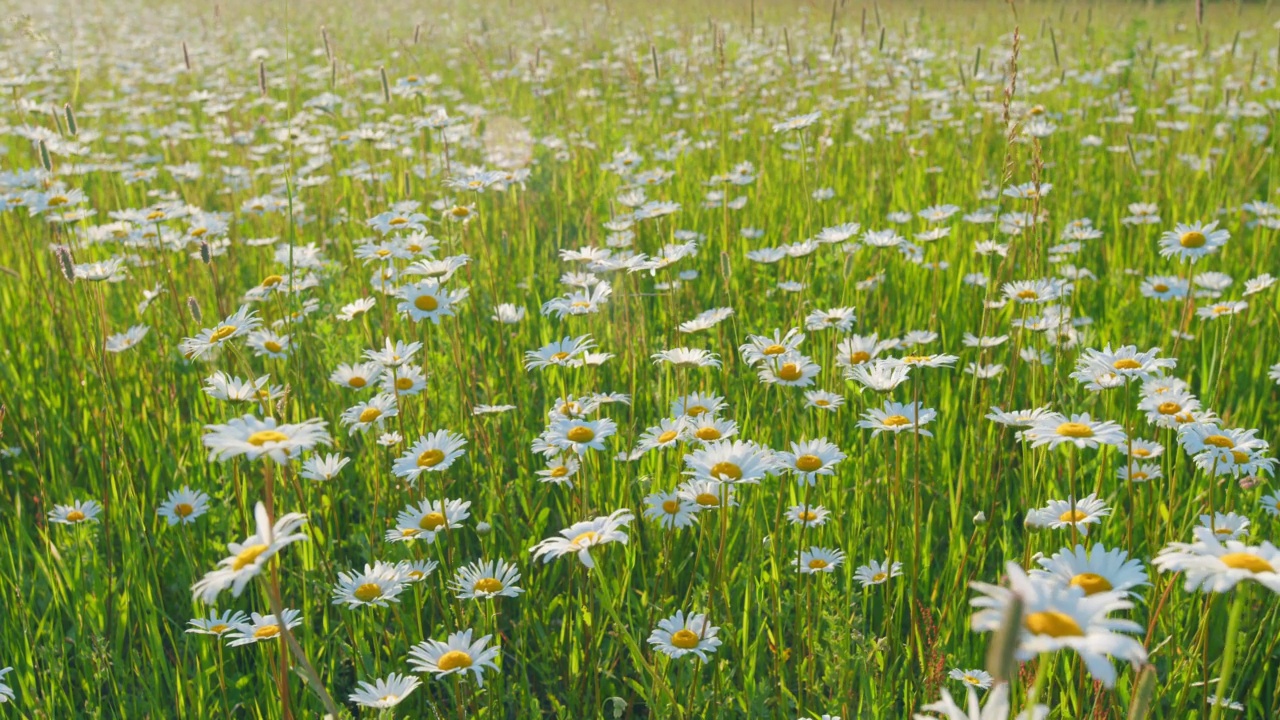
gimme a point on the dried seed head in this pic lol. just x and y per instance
(206, 255)
(46, 162)
(1001, 662)
(262, 77)
(186, 56)
(72, 127)
(194, 308)
(66, 264)
(1144, 692)
(386, 87)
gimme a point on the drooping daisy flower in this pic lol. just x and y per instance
(323, 468)
(250, 557)
(457, 655)
(217, 624)
(879, 375)
(580, 537)
(127, 339)
(384, 692)
(996, 707)
(687, 357)
(681, 635)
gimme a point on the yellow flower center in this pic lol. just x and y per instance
(1160, 287)
(183, 510)
(667, 436)
(368, 592)
(57, 200)
(426, 303)
(671, 507)
(818, 564)
(454, 660)
(1246, 561)
(789, 372)
(1192, 240)
(707, 499)
(915, 359)
(1169, 408)
(1075, 430)
(267, 631)
(75, 516)
(580, 434)
(1091, 583)
(357, 382)
(431, 521)
(808, 463)
(879, 577)
(586, 538)
(222, 333)
(896, 421)
(1072, 516)
(694, 410)
(370, 414)
(685, 639)
(707, 434)
(404, 383)
(726, 471)
(807, 515)
(1240, 456)
(272, 280)
(398, 221)
(559, 471)
(430, 458)
(858, 357)
(580, 304)
(822, 403)
(155, 215)
(560, 356)
(246, 556)
(272, 346)
(219, 628)
(1126, 364)
(1053, 624)
(1139, 475)
(1221, 441)
(460, 212)
(262, 437)
(774, 349)
(1141, 452)
(199, 232)
(487, 585)
(1028, 295)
